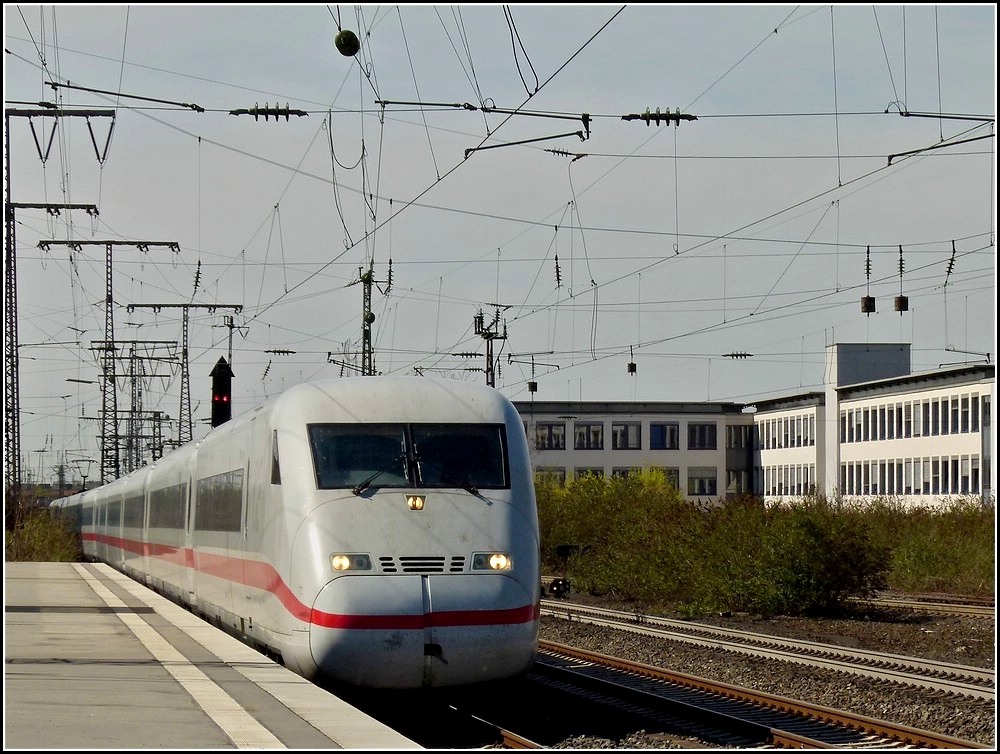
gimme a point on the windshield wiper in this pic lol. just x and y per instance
(448, 478)
(362, 486)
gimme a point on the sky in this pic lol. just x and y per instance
(490, 170)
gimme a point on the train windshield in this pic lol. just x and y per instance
(358, 456)
(471, 456)
(349, 455)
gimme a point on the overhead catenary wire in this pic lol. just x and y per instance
(507, 257)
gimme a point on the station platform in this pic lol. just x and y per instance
(95, 660)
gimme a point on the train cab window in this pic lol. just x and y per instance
(351, 455)
(359, 456)
(471, 456)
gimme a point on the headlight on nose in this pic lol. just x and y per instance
(492, 561)
(341, 561)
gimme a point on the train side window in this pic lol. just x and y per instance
(275, 466)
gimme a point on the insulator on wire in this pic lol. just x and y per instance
(901, 303)
(867, 301)
(951, 264)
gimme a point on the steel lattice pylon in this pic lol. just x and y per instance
(185, 431)
(12, 396)
(11, 393)
(110, 457)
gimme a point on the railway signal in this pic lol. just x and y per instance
(222, 388)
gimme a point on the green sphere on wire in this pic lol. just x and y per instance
(347, 42)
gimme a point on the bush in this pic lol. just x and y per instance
(43, 535)
(637, 539)
(949, 549)
(627, 536)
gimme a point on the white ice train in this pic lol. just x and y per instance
(374, 531)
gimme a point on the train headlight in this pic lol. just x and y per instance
(492, 561)
(340, 561)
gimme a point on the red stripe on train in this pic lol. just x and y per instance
(260, 575)
(450, 619)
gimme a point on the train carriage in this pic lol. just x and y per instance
(376, 531)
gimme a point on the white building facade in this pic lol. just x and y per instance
(876, 430)
(705, 449)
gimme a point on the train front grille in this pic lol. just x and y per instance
(422, 564)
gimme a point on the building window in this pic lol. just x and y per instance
(702, 480)
(673, 475)
(702, 437)
(626, 435)
(737, 481)
(739, 436)
(581, 472)
(553, 475)
(624, 471)
(550, 436)
(664, 436)
(589, 436)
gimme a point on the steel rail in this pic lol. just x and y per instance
(888, 731)
(977, 610)
(958, 679)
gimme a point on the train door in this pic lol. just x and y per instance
(115, 535)
(241, 591)
(101, 531)
(188, 569)
(244, 595)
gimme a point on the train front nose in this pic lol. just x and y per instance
(411, 631)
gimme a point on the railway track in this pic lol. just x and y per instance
(915, 672)
(978, 609)
(572, 694)
(721, 713)
(938, 604)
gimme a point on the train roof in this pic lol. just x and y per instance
(394, 399)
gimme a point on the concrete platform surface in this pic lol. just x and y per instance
(95, 660)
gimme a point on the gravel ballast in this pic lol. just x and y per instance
(963, 640)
